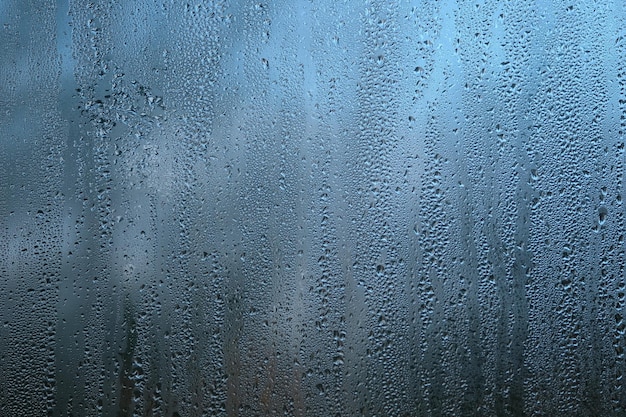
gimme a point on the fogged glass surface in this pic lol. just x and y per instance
(312, 208)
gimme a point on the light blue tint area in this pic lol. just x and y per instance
(312, 208)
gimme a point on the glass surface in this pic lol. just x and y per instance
(312, 208)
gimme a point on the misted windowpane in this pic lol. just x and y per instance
(312, 208)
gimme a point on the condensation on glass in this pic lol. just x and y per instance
(312, 208)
